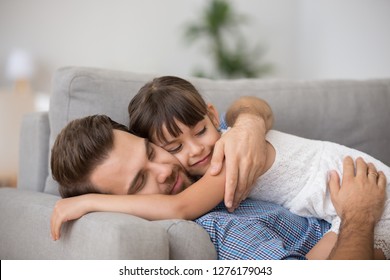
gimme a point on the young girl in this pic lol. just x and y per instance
(184, 125)
(171, 113)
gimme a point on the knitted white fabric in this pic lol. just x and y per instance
(298, 180)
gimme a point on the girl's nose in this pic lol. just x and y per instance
(195, 148)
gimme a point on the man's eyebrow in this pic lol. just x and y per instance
(133, 184)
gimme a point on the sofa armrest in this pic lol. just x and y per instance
(188, 241)
(34, 151)
(25, 232)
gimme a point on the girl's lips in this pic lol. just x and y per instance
(203, 161)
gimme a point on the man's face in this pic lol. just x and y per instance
(136, 166)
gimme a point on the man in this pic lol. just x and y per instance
(95, 154)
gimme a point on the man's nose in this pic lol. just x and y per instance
(162, 171)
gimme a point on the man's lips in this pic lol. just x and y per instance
(177, 185)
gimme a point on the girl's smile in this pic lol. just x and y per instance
(202, 163)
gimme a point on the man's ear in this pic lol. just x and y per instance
(213, 114)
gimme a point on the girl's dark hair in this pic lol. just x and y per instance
(160, 103)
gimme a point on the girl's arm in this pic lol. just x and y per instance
(196, 200)
(191, 203)
(322, 249)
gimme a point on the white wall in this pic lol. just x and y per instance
(137, 35)
(304, 39)
(343, 39)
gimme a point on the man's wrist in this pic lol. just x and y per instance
(249, 105)
(243, 112)
(359, 218)
(248, 119)
(355, 223)
(354, 232)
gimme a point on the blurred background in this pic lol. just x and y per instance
(278, 39)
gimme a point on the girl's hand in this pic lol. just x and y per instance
(66, 210)
(244, 148)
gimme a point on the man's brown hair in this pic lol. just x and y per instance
(162, 101)
(79, 148)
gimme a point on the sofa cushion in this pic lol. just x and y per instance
(349, 112)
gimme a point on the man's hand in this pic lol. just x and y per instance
(359, 202)
(360, 192)
(243, 146)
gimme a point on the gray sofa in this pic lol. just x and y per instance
(351, 112)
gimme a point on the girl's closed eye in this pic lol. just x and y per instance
(202, 131)
(175, 149)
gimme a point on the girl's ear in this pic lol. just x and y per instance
(213, 114)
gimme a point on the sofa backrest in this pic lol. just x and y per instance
(350, 112)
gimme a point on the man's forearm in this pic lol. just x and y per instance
(355, 241)
(252, 106)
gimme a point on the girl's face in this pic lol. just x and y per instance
(194, 147)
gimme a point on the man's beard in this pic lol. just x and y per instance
(188, 181)
(194, 178)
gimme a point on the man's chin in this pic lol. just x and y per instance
(188, 180)
(199, 171)
(194, 178)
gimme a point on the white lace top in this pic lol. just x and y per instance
(298, 180)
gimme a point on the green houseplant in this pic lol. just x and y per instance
(219, 25)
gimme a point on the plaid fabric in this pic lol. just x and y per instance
(261, 230)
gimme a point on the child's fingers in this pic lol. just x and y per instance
(55, 224)
(53, 227)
